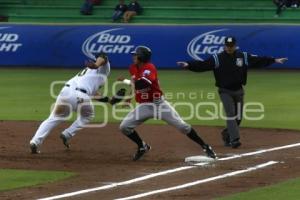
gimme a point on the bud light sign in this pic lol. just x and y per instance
(206, 43)
(108, 41)
(71, 45)
(9, 40)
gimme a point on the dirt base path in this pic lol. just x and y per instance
(103, 156)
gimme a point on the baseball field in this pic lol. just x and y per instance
(98, 165)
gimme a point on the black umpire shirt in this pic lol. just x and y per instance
(230, 70)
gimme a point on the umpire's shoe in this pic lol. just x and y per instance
(65, 140)
(236, 144)
(141, 151)
(34, 148)
(209, 151)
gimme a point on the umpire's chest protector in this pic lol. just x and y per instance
(231, 70)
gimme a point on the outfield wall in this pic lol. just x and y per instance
(70, 45)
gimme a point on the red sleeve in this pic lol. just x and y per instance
(150, 73)
(133, 71)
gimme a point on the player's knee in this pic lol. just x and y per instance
(62, 111)
(185, 128)
(125, 129)
(91, 116)
(87, 115)
(87, 119)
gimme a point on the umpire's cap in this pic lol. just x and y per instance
(143, 53)
(230, 41)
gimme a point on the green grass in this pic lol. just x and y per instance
(25, 94)
(13, 179)
(284, 191)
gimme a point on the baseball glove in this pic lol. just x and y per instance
(118, 97)
(104, 99)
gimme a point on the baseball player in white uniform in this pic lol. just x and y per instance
(76, 96)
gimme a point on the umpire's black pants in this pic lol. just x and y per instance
(233, 102)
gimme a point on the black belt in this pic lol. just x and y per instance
(81, 90)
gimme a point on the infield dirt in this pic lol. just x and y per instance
(103, 155)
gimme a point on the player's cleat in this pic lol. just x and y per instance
(209, 151)
(65, 140)
(236, 144)
(141, 151)
(34, 148)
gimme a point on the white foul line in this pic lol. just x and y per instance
(258, 152)
(142, 178)
(113, 185)
(186, 185)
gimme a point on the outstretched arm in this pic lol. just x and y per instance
(100, 60)
(198, 66)
(281, 60)
(101, 98)
(128, 82)
(263, 61)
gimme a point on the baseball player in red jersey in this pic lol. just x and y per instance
(152, 104)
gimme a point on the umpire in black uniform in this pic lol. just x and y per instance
(230, 70)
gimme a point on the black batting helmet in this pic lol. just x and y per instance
(143, 53)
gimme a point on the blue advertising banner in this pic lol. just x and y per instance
(70, 45)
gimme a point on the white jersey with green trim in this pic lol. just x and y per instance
(91, 80)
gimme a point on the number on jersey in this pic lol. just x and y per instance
(82, 72)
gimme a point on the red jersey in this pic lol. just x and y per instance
(147, 72)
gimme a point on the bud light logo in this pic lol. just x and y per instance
(107, 42)
(206, 43)
(8, 41)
